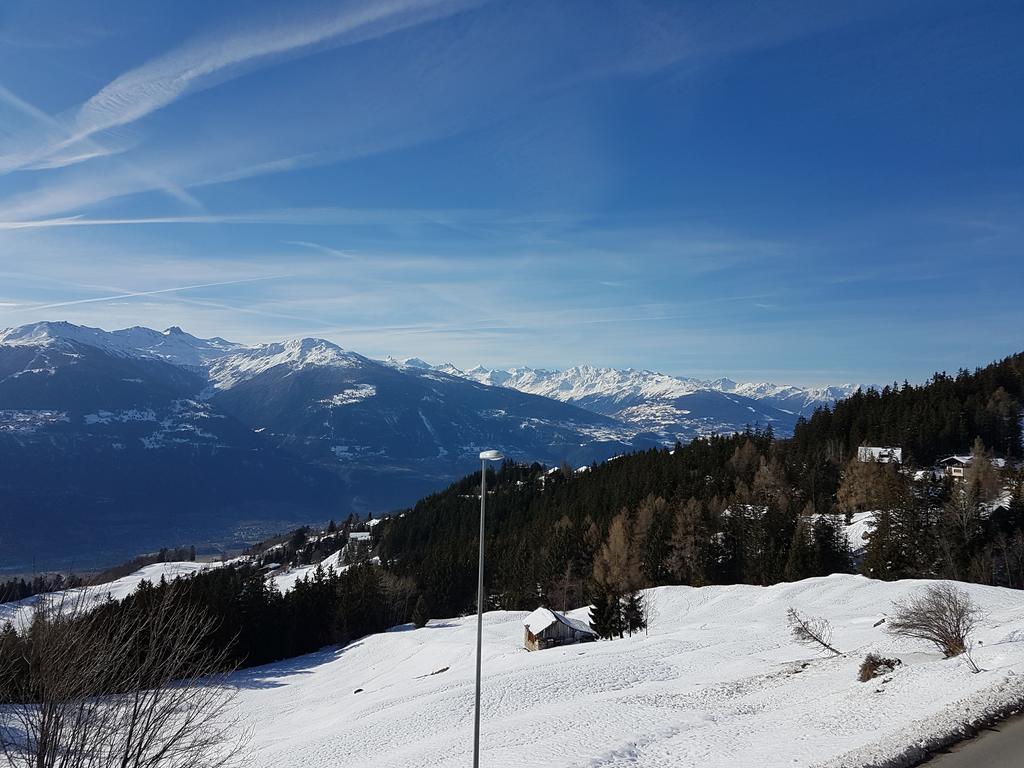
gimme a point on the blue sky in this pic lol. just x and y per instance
(804, 192)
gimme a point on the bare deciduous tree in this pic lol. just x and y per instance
(981, 476)
(813, 631)
(143, 690)
(942, 614)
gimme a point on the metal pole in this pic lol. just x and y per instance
(479, 614)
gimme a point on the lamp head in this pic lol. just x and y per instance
(491, 456)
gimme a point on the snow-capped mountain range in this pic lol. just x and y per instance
(669, 405)
(140, 437)
(115, 441)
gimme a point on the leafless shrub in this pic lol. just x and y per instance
(143, 691)
(875, 666)
(649, 611)
(942, 614)
(813, 631)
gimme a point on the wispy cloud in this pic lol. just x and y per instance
(61, 151)
(433, 88)
(214, 57)
(304, 216)
(137, 294)
(321, 248)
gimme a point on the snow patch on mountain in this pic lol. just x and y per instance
(350, 396)
(28, 421)
(172, 345)
(294, 353)
(125, 416)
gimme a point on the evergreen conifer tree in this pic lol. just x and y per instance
(421, 612)
(633, 612)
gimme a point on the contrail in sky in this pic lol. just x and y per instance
(134, 294)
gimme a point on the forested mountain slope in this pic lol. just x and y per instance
(939, 418)
(744, 508)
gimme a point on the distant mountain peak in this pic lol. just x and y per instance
(620, 391)
(294, 353)
(415, 362)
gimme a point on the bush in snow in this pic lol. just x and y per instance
(813, 631)
(875, 666)
(942, 614)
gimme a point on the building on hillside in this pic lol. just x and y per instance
(359, 537)
(956, 465)
(546, 629)
(882, 455)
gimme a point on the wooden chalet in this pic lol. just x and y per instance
(545, 628)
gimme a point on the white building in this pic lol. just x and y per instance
(882, 455)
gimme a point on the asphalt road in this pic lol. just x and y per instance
(999, 747)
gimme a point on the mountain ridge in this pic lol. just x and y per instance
(141, 438)
(572, 384)
(673, 407)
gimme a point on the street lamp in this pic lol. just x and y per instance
(485, 456)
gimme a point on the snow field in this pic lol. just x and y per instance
(716, 682)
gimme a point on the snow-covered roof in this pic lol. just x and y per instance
(542, 618)
(957, 458)
(359, 536)
(965, 460)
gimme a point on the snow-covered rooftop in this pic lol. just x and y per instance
(542, 618)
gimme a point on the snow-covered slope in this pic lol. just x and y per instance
(20, 612)
(172, 345)
(716, 682)
(296, 354)
(288, 578)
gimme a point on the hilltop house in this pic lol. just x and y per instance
(545, 629)
(955, 466)
(883, 455)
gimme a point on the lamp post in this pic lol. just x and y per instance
(485, 456)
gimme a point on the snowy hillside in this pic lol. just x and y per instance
(717, 682)
(296, 354)
(20, 612)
